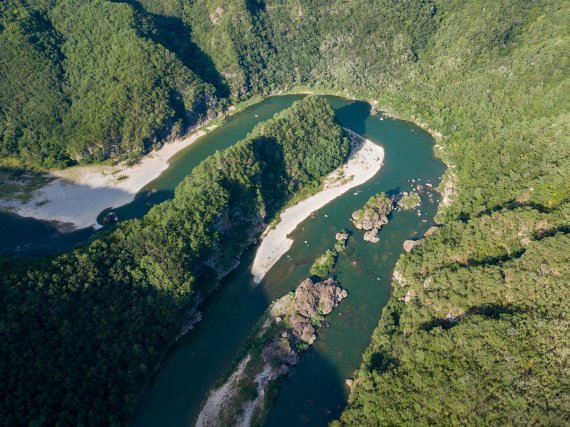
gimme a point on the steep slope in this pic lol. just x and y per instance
(91, 85)
(476, 326)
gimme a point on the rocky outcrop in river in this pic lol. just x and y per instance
(373, 216)
(408, 201)
(287, 329)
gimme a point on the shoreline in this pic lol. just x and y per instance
(76, 196)
(67, 202)
(364, 161)
(64, 201)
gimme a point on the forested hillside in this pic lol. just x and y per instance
(82, 333)
(476, 331)
(477, 328)
(83, 81)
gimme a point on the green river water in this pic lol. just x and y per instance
(314, 393)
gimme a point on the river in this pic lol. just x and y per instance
(314, 393)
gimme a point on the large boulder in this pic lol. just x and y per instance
(280, 351)
(373, 216)
(302, 329)
(430, 231)
(372, 236)
(318, 298)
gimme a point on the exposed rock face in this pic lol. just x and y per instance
(409, 245)
(399, 277)
(216, 15)
(302, 330)
(310, 299)
(370, 219)
(280, 350)
(372, 235)
(343, 236)
(430, 231)
(321, 296)
(410, 295)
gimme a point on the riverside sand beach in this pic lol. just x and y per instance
(364, 161)
(76, 196)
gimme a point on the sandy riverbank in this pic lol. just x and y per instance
(78, 195)
(364, 161)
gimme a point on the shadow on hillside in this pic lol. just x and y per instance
(176, 35)
(490, 311)
(510, 205)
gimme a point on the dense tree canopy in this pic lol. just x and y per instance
(476, 331)
(81, 82)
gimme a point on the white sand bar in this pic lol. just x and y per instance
(364, 161)
(78, 195)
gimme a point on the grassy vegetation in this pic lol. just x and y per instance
(409, 201)
(324, 265)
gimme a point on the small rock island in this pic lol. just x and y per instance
(373, 215)
(324, 265)
(409, 201)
